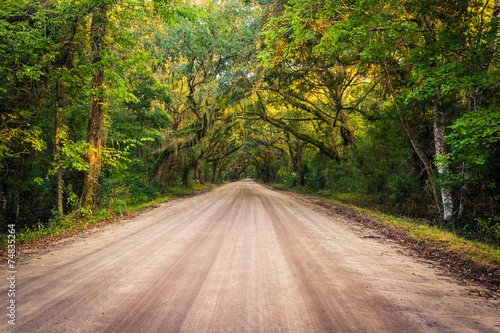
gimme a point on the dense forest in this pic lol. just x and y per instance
(107, 103)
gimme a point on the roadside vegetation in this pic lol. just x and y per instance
(107, 105)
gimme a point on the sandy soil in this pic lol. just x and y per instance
(241, 258)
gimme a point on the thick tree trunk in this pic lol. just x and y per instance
(345, 132)
(195, 164)
(94, 131)
(168, 164)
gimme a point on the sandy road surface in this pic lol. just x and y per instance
(241, 258)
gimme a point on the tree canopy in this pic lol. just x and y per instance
(109, 102)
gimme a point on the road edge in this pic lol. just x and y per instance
(462, 270)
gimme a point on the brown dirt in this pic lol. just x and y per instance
(241, 258)
(450, 262)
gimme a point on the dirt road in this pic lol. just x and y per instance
(241, 258)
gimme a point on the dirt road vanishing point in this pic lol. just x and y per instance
(240, 258)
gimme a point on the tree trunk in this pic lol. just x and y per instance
(195, 164)
(442, 166)
(296, 160)
(214, 172)
(219, 175)
(300, 169)
(275, 173)
(345, 132)
(167, 163)
(94, 131)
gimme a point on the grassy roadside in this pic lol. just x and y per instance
(470, 260)
(88, 218)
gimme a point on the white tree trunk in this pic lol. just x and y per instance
(442, 166)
